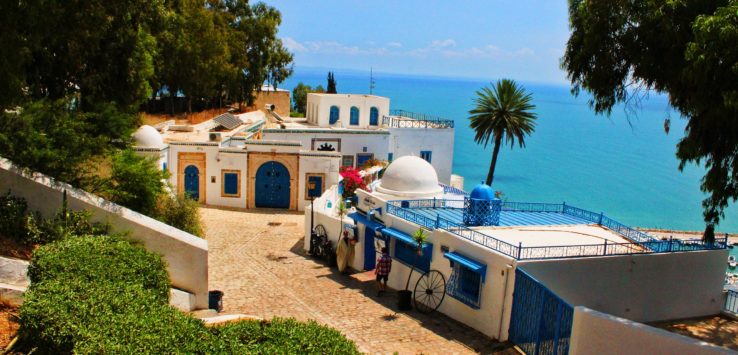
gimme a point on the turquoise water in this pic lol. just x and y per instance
(628, 170)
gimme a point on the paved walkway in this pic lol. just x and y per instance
(256, 258)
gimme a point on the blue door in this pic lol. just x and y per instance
(272, 188)
(192, 182)
(370, 251)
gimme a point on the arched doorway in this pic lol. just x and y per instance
(272, 187)
(192, 182)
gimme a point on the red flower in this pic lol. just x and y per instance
(351, 181)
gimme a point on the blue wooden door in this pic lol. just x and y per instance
(370, 251)
(272, 188)
(192, 182)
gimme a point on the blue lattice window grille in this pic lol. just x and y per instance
(230, 183)
(373, 116)
(354, 116)
(478, 212)
(334, 114)
(467, 277)
(426, 155)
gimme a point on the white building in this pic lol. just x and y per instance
(362, 127)
(224, 162)
(516, 271)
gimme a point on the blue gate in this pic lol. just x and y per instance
(272, 188)
(541, 321)
(192, 182)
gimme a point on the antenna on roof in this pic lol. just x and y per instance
(371, 81)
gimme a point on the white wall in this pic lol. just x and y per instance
(186, 255)
(599, 333)
(215, 161)
(410, 141)
(644, 288)
(318, 109)
(352, 142)
(323, 163)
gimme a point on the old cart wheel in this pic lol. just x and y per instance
(429, 291)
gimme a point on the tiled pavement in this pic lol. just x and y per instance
(263, 271)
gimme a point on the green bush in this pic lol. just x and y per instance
(281, 336)
(63, 225)
(180, 212)
(135, 182)
(13, 217)
(100, 259)
(74, 316)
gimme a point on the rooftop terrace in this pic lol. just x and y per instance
(543, 230)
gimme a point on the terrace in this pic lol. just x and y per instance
(406, 119)
(543, 230)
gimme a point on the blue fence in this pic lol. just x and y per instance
(731, 302)
(540, 322)
(452, 190)
(406, 119)
(642, 243)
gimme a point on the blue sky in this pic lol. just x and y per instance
(518, 39)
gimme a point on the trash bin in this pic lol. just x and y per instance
(215, 300)
(404, 300)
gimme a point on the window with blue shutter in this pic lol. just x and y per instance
(230, 181)
(374, 116)
(333, 118)
(314, 185)
(426, 155)
(354, 116)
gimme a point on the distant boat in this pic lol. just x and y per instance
(731, 261)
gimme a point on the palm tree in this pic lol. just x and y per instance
(503, 111)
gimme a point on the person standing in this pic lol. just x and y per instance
(384, 266)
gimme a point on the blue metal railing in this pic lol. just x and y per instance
(540, 322)
(406, 119)
(731, 302)
(642, 243)
(452, 190)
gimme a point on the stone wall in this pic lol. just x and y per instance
(280, 99)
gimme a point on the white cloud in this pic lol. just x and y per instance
(394, 44)
(443, 43)
(293, 45)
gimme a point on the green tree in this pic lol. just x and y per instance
(299, 96)
(135, 182)
(503, 111)
(686, 49)
(331, 88)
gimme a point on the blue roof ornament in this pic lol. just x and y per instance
(483, 192)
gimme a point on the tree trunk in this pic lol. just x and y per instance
(493, 164)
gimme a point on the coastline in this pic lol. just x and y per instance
(684, 234)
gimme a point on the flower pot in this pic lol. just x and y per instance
(404, 298)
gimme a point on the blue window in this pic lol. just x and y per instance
(164, 166)
(314, 186)
(354, 116)
(347, 160)
(426, 155)
(231, 183)
(389, 157)
(362, 158)
(406, 254)
(333, 118)
(466, 279)
(374, 116)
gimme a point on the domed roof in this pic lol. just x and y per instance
(483, 192)
(410, 176)
(148, 137)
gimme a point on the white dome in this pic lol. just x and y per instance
(410, 176)
(148, 137)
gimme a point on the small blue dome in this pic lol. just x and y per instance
(483, 192)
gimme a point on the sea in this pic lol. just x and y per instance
(623, 164)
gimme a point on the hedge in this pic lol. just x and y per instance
(96, 259)
(105, 295)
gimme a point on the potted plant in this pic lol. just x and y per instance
(419, 237)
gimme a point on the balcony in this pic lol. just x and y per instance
(406, 119)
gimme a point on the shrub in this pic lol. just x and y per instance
(63, 225)
(135, 182)
(13, 217)
(180, 212)
(100, 259)
(282, 336)
(75, 316)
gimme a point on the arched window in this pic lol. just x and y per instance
(354, 116)
(373, 116)
(333, 118)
